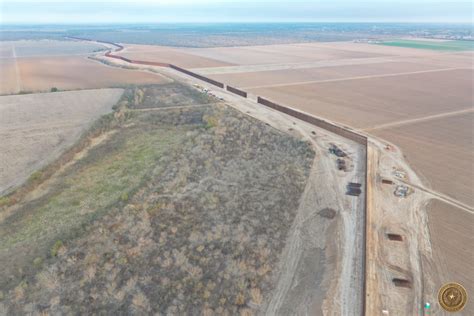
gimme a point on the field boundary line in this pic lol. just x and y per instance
(416, 120)
(17, 71)
(354, 78)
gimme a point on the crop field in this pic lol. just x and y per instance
(36, 128)
(43, 48)
(68, 73)
(367, 102)
(441, 149)
(172, 211)
(452, 240)
(432, 45)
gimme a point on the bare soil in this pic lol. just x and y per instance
(363, 103)
(441, 150)
(43, 48)
(175, 56)
(452, 251)
(69, 73)
(273, 54)
(288, 76)
(10, 79)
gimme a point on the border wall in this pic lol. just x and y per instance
(108, 54)
(237, 91)
(315, 121)
(150, 63)
(120, 47)
(195, 75)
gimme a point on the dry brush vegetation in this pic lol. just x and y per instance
(175, 211)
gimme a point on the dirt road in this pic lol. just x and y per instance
(420, 119)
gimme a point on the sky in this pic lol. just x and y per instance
(168, 11)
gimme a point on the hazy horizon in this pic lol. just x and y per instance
(227, 11)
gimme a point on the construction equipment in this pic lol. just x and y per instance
(333, 149)
(354, 189)
(401, 191)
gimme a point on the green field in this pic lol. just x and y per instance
(432, 45)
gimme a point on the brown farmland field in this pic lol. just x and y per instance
(461, 59)
(291, 76)
(67, 73)
(36, 128)
(451, 241)
(9, 79)
(178, 57)
(442, 151)
(43, 48)
(6, 50)
(364, 103)
(374, 49)
(291, 53)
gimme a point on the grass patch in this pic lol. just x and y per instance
(432, 45)
(165, 95)
(4, 200)
(54, 250)
(35, 176)
(101, 179)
